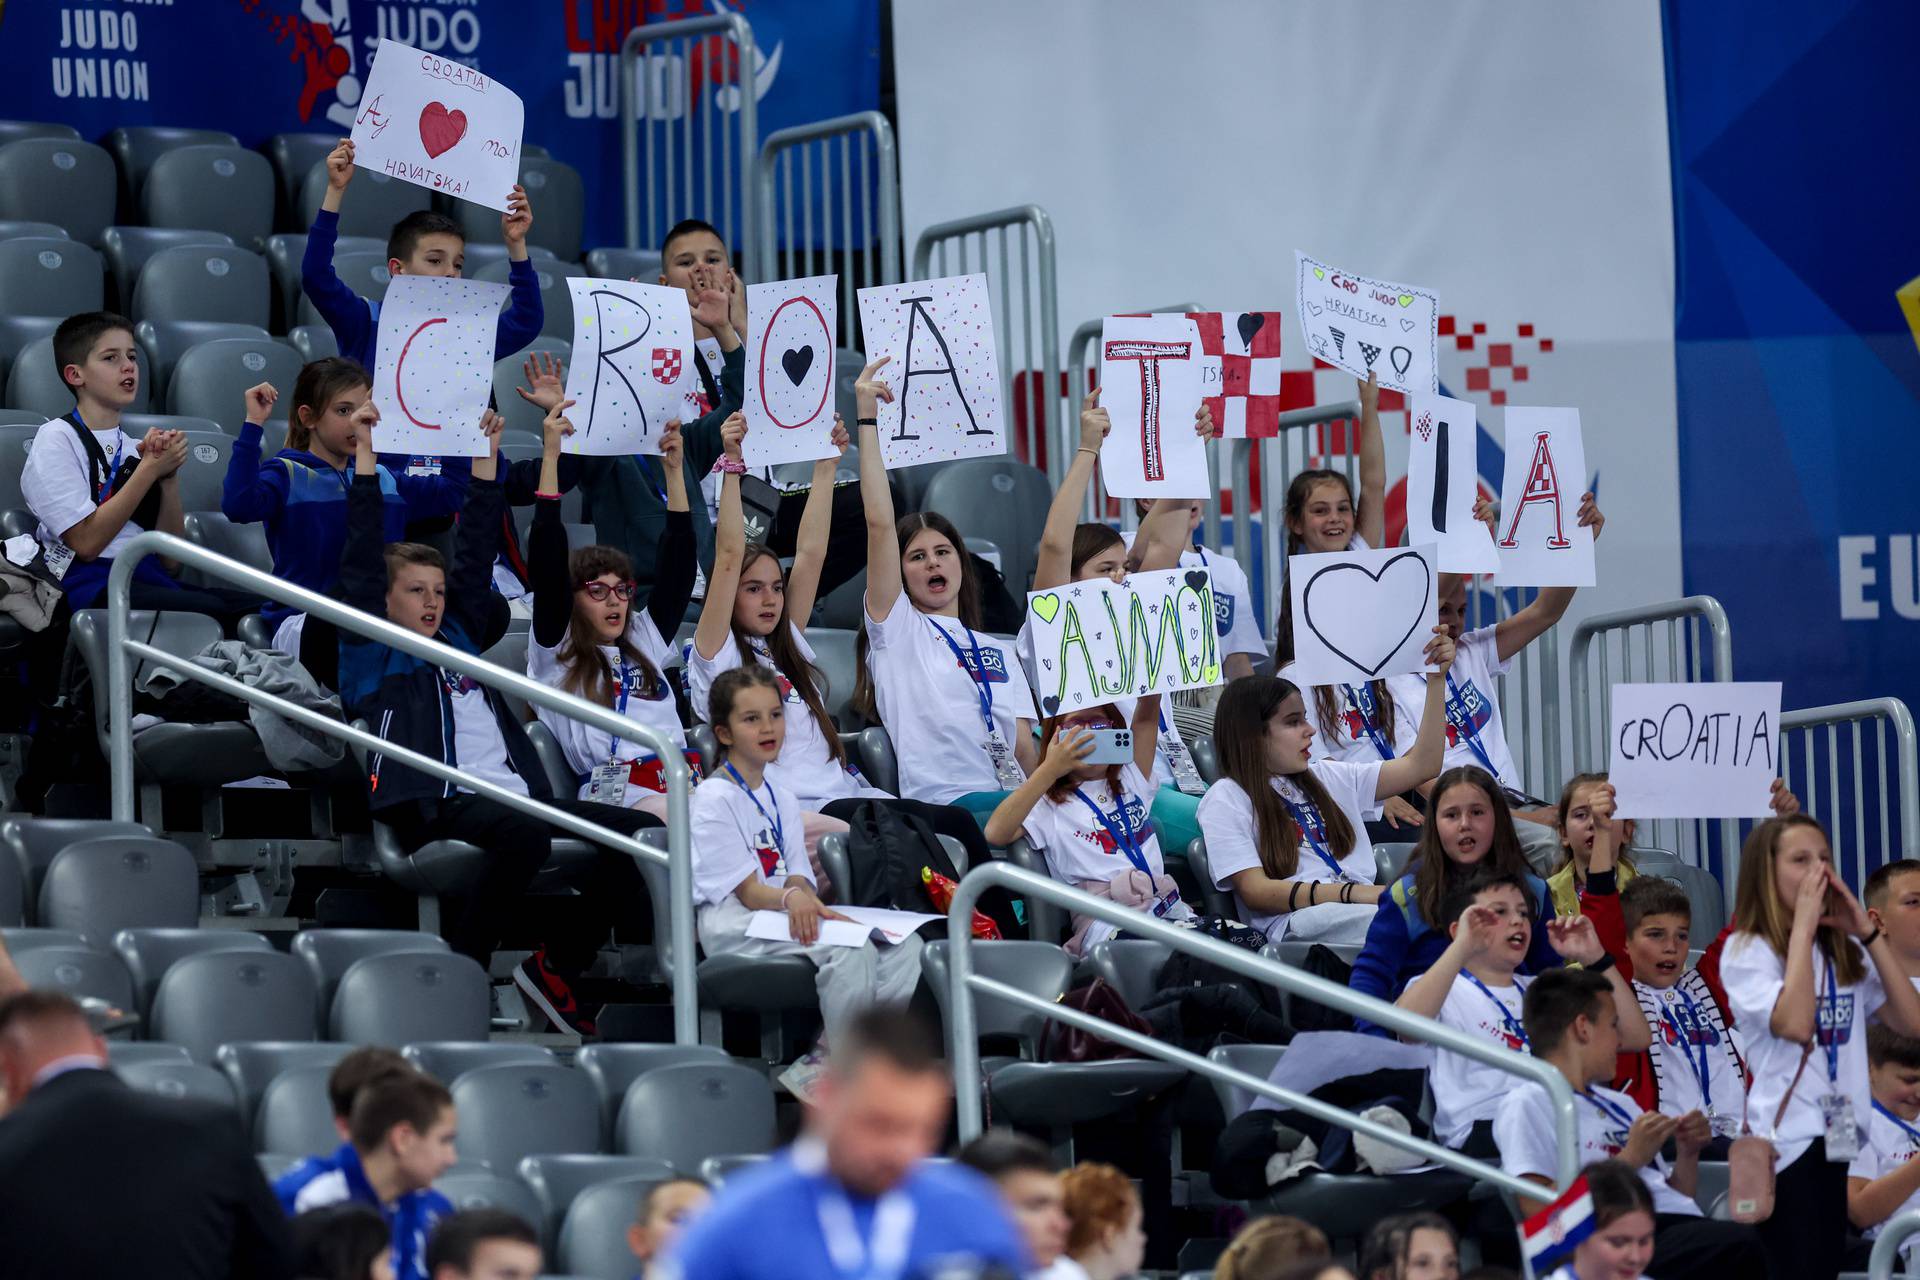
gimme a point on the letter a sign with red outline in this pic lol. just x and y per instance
(1540, 541)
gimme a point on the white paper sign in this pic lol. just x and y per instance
(631, 365)
(789, 401)
(862, 923)
(944, 369)
(439, 124)
(1096, 640)
(1540, 541)
(1365, 325)
(1706, 750)
(1361, 615)
(1443, 482)
(433, 376)
(1150, 388)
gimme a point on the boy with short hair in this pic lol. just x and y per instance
(483, 1244)
(1476, 986)
(1892, 898)
(358, 1071)
(1022, 1170)
(1573, 1022)
(663, 1214)
(400, 1140)
(1884, 1179)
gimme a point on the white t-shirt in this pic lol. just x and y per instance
(478, 747)
(1233, 842)
(1682, 1031)
(586, 747)
(57, 488)
(1079, 847)
(930, 702)
(805, 767)
(737, 833)
(1754, 976)
(1523, 1130)
(1354, 708)
(1471, 704)
(1466, 1090)
(1890, 1144)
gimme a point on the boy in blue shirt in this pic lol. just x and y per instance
(400, 1139)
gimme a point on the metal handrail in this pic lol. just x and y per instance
(1885, 711)
(964, 1052)
(679, 859)
(726, 23)
(1886, 1246)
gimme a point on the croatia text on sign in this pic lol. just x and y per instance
(631, 365)
(1368, 326)
(1150, 388)
(440, 124)
(789, 400)
(944, 369)
(1704, 750)
(1096, 640)
(434, 373)
(1443, 483)
(1540, 541)
(1361, 615)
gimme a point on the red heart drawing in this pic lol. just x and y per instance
(440, 128)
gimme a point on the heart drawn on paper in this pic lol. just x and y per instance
(1406, 326)
(1047, 606)
(1050, 705)
(1398, 590)
(1196, 578)
(1425, 427)
(441, 129)
(1406, 299)
(1318, 274)
(1251, 323)
(1314, 308)
(796, 361)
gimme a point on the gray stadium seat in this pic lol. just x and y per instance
(554, 298)
(34, 381)
(558, 197)
(124, 1052)
(480, 253)
(246, 543)
(204, 282)
(292, 156)
(373, 204)
(294, 1117)
(715, 1170)
(617, 262)
(329, 953)
(1703, 891)
(557, 1179)
(1206, 758)
(32, 938)
(614, 1067)
(515, 1110)
(285, 253)
(682, 1114)
(1131, 966)
(1390, 861)
(212, 379)
(13, 227)
(136, 149)
(273, 1166)
(363, 271)
(78, 971)
(1045, 921)
(846, 375)
(593, 1237)
(100, 886)
(42, 276)
(15, 130)
(138, 424)
(999, 498)
(833, 652)
(128, 249)
(34, 842)
(448, 1060)
(877, 760)
(148, 953)
(215, 997)
(252, 1065)
(166, 341)
(1038, 968)
(1254, 1059)
(17, 332)
(16, 438)
(313, 342)
(13, 894)
(1218, 902)
(211, 187)
(202, 478)
(483, 1189)
(59, 180)
(178, 1080)
(400, 996)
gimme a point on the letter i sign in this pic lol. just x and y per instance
(1543, 485)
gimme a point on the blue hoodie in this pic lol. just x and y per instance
(323, 1180)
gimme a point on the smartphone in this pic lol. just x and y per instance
(1110, 746)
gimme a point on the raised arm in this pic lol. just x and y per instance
(729, 547)
(675, 557)
(1163, 536)
(1372, 516)
(1793, 1010)
(1009, 817)
(1146, 732)
(1902, 1010)
(1479, 932)
(1422, 761)
(476, 541)
(883, 542)
(1578, 942)
(345, 311)
(363, 558)
(547, 549)
(816, 523)
(1055, 563)
(251, 493)
(1515, 633)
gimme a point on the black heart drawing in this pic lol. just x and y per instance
(1197, 578)
(1251, 322)
(1417, 601)
(1051, 705)
(796, 362)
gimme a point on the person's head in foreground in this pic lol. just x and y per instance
(1622, 1241)
(483, 1244)
(883, 1101)
(353, 1074)
(1267, 1246)
(37, 1029)
(1410, 1246)
(1022, 1171)
(1106, 1236)
(403, 1129)
(1571, 1019)
(663, 1214)
(348, 1241)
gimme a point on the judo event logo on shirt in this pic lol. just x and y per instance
(773, 863)
(993, 665)
(640, 685)
(1471, 709)
(1222, 612)
(1136, 815)
(1836, 1019)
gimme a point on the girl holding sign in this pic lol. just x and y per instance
(588, 639)
(954, 701)
(750, 618)
(1283, 829)
(1805, 970)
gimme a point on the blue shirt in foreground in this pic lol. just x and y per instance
(325, 1180)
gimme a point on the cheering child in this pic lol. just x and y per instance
(1283, 830)
(1892, 897)
(1884, 1179)
(590, 641)
(1579, 825)
(1805, 971)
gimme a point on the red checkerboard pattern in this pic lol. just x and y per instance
(1494, 368)
(666, 365)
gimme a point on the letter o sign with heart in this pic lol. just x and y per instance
(789, 401)
(1361, 615)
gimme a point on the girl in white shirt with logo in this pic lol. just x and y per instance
(954, 701)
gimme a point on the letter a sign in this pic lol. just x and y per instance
(943, 365)
(1540, 543)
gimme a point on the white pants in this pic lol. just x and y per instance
(1330, 922)
(849, 978)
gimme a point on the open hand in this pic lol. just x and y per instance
(546, 374)
(260, 401)
(1398, 813)
(1483, 930)
(1573, 937)
(707, 298)
(1844, 910)
(1069, 748)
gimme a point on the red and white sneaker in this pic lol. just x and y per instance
(548, 992)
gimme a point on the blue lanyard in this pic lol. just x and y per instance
(119, 451)
(1692, 1038)
(1124, 837)
(1913, 1134)
(1457, 706)
(1360, 698)
(772, 819)
(977, 672)
(1611, 1111)
(1310, 823)
(659, 487)
(1832, 1045)
(1514, 1028)
(619, 708)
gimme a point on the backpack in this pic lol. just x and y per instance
(887, 849)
